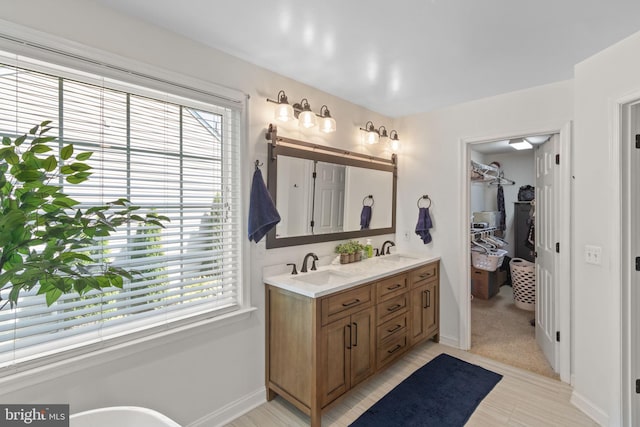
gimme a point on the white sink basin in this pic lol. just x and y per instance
(398, 258)
(325, 277)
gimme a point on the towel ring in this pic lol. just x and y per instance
(425, 197)
(258, 164)
(368, 197)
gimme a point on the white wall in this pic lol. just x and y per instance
(430, 163)
(599, 82)
(517, 166)
(213, 369)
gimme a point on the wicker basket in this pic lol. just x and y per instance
(523, 279)
(489, 260)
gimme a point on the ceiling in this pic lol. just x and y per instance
(405, 56)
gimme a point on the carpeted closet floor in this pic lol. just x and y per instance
(503, 332)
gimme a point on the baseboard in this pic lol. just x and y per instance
(586, 406)
(233, 410)
(451, 342)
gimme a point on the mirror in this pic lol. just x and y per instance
(320, 193)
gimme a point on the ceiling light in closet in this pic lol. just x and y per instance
(520, 144)
(537, 139)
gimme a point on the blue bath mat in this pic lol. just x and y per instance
(444, 392)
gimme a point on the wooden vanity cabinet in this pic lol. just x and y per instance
(425, 306)
(317, 349)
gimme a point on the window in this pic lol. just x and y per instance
(176, 156)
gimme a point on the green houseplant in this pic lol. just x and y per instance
(349, 251)
(43, 235)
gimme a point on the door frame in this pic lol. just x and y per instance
(563, 269)
(623, 251)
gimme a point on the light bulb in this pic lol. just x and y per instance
(284, 112)
(327, 124)
(307, 119)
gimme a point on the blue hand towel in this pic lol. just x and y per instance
(423, 225)
(365, 217)
(263, 215)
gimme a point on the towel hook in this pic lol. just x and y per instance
(258, 164)
(368, 197)
(425, 197)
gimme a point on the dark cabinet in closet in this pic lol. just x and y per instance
(521, 230)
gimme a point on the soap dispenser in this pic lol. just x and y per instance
(368, 249)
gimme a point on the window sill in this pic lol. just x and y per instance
(19, 378)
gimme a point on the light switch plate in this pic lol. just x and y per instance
(593, 254)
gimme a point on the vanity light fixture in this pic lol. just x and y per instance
(301, 111)
(327, 123)
(394, 141)
(306, 117)
(372, 135)
(520, 144)
(283, 111)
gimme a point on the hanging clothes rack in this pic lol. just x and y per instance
(501, 180)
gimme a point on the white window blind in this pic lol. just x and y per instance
(173, 156)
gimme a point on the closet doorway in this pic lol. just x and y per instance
(534, 333)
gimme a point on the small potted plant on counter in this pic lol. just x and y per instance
(350, 251)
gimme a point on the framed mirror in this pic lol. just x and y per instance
(325, 194)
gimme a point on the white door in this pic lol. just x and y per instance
(328, 209)
(634, 189)
(546, 213)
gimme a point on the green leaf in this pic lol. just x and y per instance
(34, 129)
(6, 140)
(28, 176)
(43, 140)
(66, 152)
(53, 295)
(84, 156)
(76, 178)
(40, 148)
(80, 167)
(50, 163)
(12, 158)
(19, 140)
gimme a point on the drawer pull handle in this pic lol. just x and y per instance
(347, 304)
(424, 299)
(355, 325)
(396, 286)
(394, 307)
(425, 275)
(348, 335)
(394, 349)
(428, 298)
(394, 329)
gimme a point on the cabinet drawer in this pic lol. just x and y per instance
(424, 274)
(345, 303)
(393, 327)
(391, 308)
(388, 288)
(391, 350)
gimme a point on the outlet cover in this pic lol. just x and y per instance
(593, 254)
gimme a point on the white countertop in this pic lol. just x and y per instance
(333, 278)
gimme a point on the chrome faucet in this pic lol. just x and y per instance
(313, 263)
(384, 245)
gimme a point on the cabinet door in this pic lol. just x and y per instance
(424, 311)
(335, 359)
(431, 311)
(362, 346)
